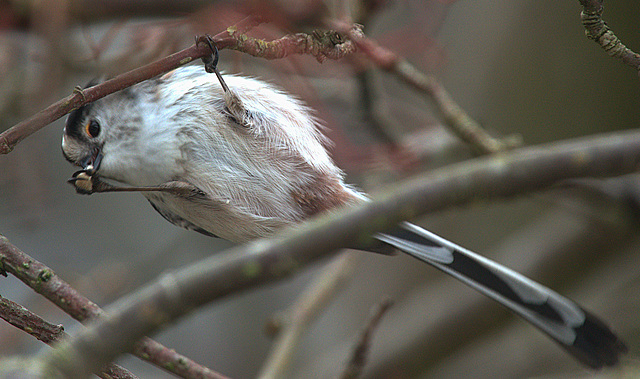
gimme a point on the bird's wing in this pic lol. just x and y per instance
(176, 219)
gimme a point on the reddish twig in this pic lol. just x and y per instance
(320, 45)
(11, 137)
(27, 321)
(454, 116)
(359, 356)
(43, 280)
(597, 30)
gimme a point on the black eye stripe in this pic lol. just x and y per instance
(75, 121)
(75, 125)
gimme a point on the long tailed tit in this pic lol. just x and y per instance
(250, 171)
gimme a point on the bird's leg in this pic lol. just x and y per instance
(233, 103)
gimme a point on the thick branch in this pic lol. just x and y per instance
(264, 261)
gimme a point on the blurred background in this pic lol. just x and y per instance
(518, 67)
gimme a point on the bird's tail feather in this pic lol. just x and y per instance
(579, 332)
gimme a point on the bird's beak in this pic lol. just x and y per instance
(91, 163)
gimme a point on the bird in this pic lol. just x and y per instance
(239, 159)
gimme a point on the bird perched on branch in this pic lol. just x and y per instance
(244, 160)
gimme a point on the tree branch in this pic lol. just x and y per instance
(301, 315)
(27, 321)
(264, 261)
(45, 282)
(460, 123)
(597, 30)
(359, 356)
(11, 137)
(321, 45)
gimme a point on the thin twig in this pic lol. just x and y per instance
(597, 30)
(321, 45)
(375, 109)
(359, 356)
(460, 123)
(265, 261)
(11, 137)
(296, 321)
(45, 282)
(27, 321)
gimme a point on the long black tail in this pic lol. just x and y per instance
(579, 332)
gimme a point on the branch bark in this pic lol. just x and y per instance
(25, 320)
(597, 30)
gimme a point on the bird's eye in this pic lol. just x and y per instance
(92, 128)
